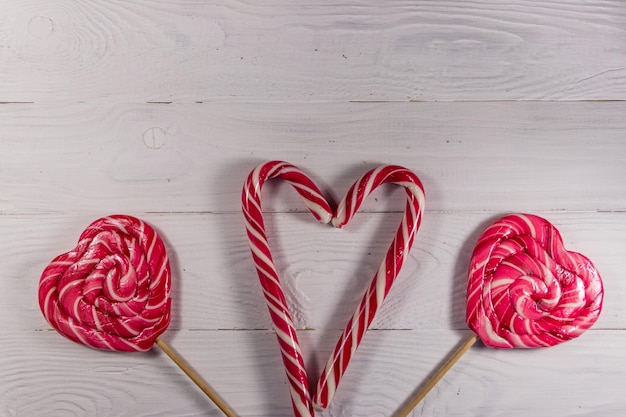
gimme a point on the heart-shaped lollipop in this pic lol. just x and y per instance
(525, 290)
(112, 292)
(373, 297)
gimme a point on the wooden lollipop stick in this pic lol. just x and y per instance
(178, 360)
(438, 375)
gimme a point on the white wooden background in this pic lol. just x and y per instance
(160, 109)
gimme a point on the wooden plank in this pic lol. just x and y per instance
(325, 270)
(194, 158)
(282, 51)
(44, 375)
(498, 106)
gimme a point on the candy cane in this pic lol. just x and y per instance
(374, 296)
(279, 312)
(387, 272)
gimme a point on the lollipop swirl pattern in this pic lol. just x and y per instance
(525, 290)
(112, 291)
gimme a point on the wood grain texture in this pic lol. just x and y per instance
(194, 158)
(227, 50)
(49, 375)
(160, 109)
(324, 273)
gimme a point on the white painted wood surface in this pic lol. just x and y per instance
(160, 110)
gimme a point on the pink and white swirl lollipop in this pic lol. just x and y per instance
(112, 291)
(373, 297)
(525, 290)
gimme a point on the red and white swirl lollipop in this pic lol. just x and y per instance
(525, 290)
(112, 291)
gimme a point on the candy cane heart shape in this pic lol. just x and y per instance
(374, 296)
(112, 291)
(384, 277)
(525, 290)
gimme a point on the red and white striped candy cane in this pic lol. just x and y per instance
(374, 296)
(279, 312)
(387, 272)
